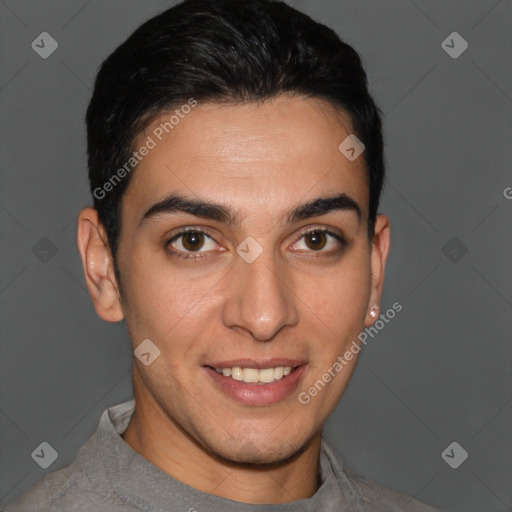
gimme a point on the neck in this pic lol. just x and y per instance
(155, 436)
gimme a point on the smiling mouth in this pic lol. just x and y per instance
(257, 383)
(256, 375)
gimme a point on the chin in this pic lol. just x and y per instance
(260, 452)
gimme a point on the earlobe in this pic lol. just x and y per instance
(380, 251)
(98, 266)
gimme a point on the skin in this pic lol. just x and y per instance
(294, 300)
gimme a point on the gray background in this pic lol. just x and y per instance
(439, 372)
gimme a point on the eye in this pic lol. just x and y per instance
(320, 240)
(193, 243)
(189, 241)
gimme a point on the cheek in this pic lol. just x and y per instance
(167, 306)
(342, 293)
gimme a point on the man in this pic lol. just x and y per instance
(236, 165)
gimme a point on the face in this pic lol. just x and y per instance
(269, 267)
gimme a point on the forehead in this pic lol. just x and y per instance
(264, 154)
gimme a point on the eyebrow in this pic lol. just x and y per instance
(176, 203)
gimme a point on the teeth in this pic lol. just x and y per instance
(250, 374)
(266, 375)
(236, 373)
(253, 375)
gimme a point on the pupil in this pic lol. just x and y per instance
(192, 241)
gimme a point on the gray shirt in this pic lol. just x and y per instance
(107, 475)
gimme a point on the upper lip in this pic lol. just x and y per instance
(257, 363)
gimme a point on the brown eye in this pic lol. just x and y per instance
(316, 240)
(193, 241)
(193, 244)
(321, 241)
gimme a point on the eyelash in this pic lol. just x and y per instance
(200, 255)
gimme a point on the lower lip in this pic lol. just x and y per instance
(258, 394)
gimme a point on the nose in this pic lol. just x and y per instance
(260, 299)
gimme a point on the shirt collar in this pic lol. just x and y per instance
(112, 465)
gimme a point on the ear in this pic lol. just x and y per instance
(380, 250)
(98, 266)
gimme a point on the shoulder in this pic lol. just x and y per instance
(361, 493)
(377, 497)
(66, 490)
(83, 485)
(53, 489)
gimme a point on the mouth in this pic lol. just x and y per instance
(257, 383)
